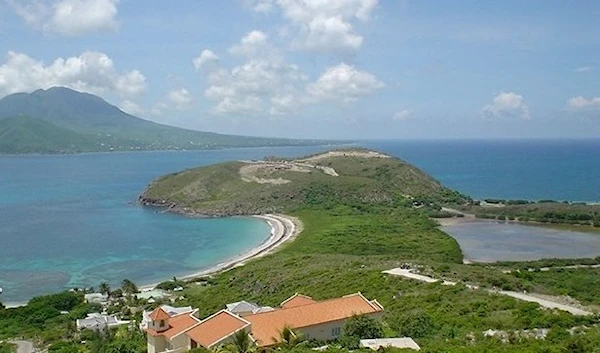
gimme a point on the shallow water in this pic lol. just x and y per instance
(72, 221)
(488, 241)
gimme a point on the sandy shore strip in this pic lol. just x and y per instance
(283, 229)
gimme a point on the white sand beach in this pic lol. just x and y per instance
(283, 229)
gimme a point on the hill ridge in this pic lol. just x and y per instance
(352, 177)
(114, 129)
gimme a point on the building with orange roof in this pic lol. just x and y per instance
(297, 300)
(319, 320)
(216, 330)
(163, 329)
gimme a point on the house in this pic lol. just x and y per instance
(98, 298)
(242, 308)
(99, 322)
(319, 320)
(165, 330)
(171, 310)
(151, 294)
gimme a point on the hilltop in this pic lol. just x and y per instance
(82, 122)
(354, 177)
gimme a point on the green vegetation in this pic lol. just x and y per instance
(363, 183)
(372, 217)
(360, 327)
(7, 348)
(367, 219)
(545, 211)
(29, 135)
(60, 120)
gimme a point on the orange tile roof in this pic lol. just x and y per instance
(159, 314)
(216, 328)
(297, 300)
(177, 324)
(266, 327)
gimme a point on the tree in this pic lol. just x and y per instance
(289, 338)
(360, 327)
(128, 287)
(415, 324)
(104, 288)
(363, 326)
(241, 343)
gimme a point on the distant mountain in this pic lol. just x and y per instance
(30, 135)
(63, 120)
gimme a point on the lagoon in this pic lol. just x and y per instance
(491, 241)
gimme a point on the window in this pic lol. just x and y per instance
(336, 331)
(193, 344)
(162, 323)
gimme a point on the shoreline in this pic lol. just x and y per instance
(284, 229)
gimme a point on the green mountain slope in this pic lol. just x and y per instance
(91, 115)
(358, 178)
(29, 135)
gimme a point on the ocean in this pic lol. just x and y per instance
(72, 220)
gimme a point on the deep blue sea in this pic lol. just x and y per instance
(72, 220)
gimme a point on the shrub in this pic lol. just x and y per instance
(416, 324)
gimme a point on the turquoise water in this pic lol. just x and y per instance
(489, 241)
(72, 221)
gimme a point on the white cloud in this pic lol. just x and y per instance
(584, 103)
(343, 83)
(131, 84)
(261, 85)
(583, 69)
(261, 6)
(507, 105)
(180, 98)
(92, 72)
(323, 25)
(206, 59)
(249, 88)
(252, 44)
(130, 107)
(402, 115)
(68, 17)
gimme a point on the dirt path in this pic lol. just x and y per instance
(23, 346)
(521, 296)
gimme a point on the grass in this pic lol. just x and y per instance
(355, 226)
(320, 263)
(362, 183)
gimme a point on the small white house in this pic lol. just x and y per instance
(98, 298)
(99, 322)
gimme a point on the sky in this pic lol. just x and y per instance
(349, 69)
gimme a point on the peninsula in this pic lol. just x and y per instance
(367, 228)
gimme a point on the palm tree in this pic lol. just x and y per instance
(129, 287)
(241, 344)
(104, 288)
(289, 338)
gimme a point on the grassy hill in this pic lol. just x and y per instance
(114, 129)
(360, 217)
(354, 177)
(362, 214)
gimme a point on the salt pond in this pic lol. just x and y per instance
(488, 241)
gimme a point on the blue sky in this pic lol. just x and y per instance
(320, 68)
